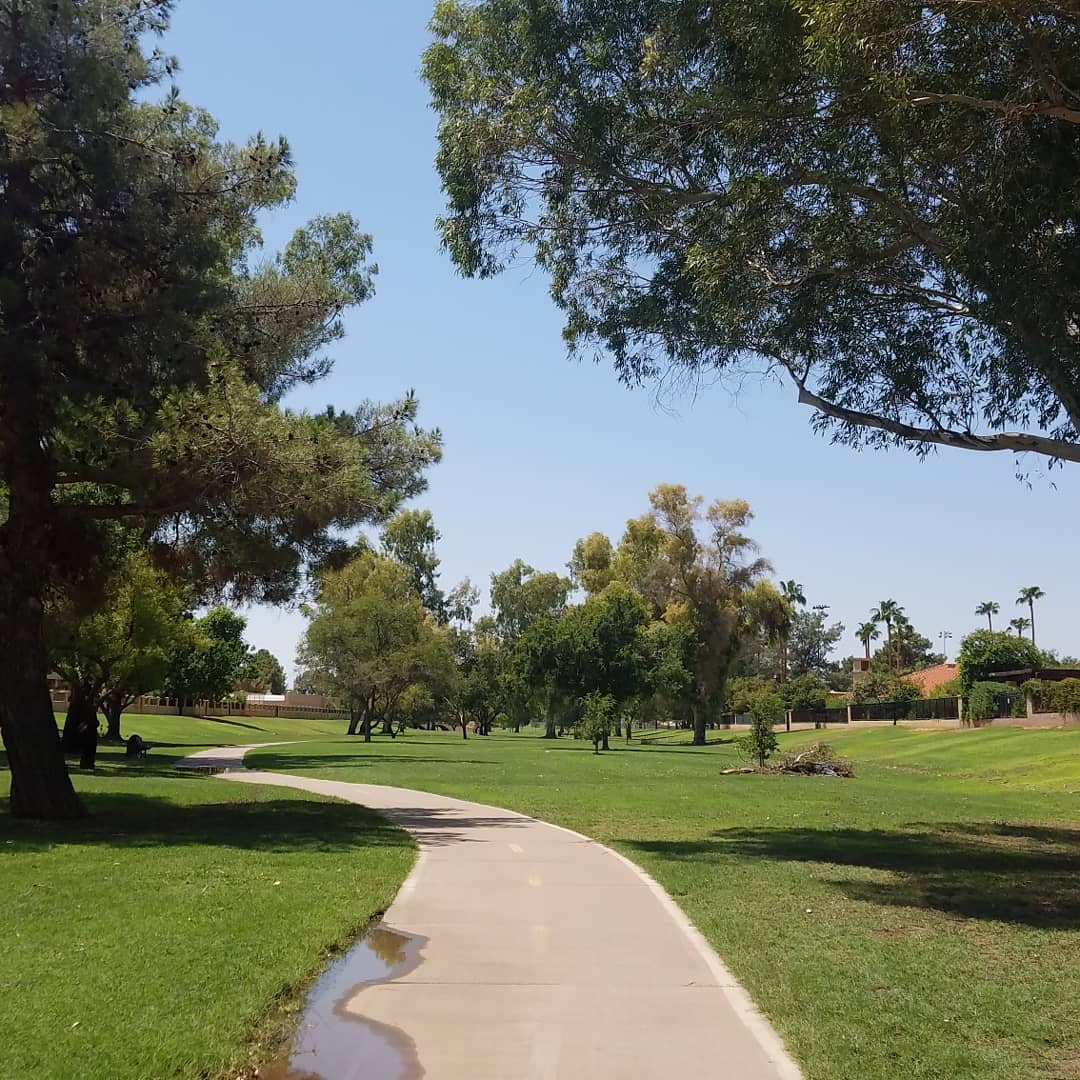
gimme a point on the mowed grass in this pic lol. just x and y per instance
(170, 934)
(921, 920)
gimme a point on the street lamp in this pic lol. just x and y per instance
(945, 635)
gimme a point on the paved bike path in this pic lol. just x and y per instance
(547, 957)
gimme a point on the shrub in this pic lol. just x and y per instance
(1041, 693)
(766, 709)
(982, 701)
(1065, 697)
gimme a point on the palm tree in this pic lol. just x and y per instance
(1019, 625)
(989, 608)
(903, 632)
(793, 594)
(866, 633)
(887, 612)
(1029, 596)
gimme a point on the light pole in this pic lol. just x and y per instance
(945, 635)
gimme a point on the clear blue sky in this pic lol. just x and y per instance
(540, 450)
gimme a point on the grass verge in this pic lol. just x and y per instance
(921, 920)
(170, 934)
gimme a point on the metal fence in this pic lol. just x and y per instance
(947, 708)
(819, 717)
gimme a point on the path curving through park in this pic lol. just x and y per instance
(547, 955)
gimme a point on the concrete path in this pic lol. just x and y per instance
(548, 956)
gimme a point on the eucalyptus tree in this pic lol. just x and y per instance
(873, 201)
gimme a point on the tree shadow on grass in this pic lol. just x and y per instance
(1023, 874)
(269, 762)
(232, 723)
(146, 821)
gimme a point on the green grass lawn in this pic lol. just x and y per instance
(168, 935)
(918, 921)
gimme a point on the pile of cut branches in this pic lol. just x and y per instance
(817, 759)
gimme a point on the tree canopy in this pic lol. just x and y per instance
(986, 652)
(207, 663)
(370, 640)
(875, 202)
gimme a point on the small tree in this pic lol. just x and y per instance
(766, 710)
(597, 716)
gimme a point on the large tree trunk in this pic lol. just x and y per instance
(698, 714)
(40, 785)
(82, 711)
(354, 721)
(112, 706)
(549, 727)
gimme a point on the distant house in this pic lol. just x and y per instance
(931, 679)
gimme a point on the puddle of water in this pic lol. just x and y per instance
(334, 1040)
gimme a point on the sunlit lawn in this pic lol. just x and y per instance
(920, 920)
(167, 935)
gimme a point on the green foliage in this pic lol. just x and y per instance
(261, 673)
(1065, 696)
(410, 538)
(597, 719)
(952, 688)
(520, 595)
(905, 254)
(591, 565)
(804, 692)
(743, 689)
(811, 643)
(880, 684)
(601, 647)
(766, 710)
(369, 640)
(984, 652)
(207, 664)
(982, 699)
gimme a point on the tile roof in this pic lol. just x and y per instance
(929, 679)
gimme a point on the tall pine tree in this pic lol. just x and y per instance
(146, 349)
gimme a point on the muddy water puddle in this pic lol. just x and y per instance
(335, 1041)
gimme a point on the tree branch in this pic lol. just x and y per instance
(1016, 442)
(1005, 108)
